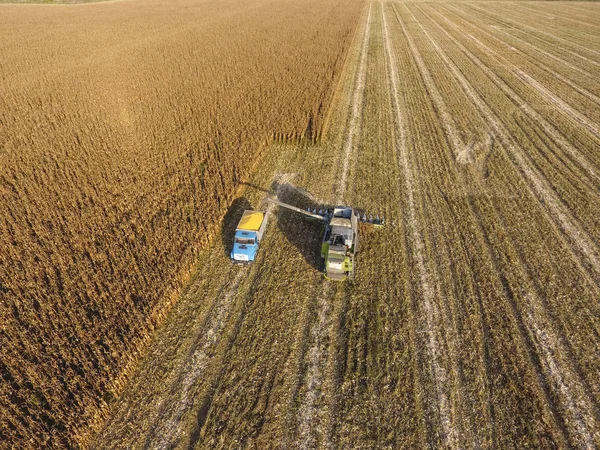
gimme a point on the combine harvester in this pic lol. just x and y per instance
(340, 236)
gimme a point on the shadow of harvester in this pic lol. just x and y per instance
(301, 231)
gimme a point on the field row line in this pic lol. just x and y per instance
(563, 107)
(170, 418)
(531, 32)
(538, 354)
(573, 395)
(449, 433)
(539, 14)
(586, 93)
(354, 125)
(463, 155)
(499, 128)
(308, 414)
(583, 404)
(550, 129)
(552, 97)
(541, 51)
(537, 181)
(447, 120)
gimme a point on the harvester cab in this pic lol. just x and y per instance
(340, 237)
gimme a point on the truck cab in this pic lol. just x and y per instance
(245, 246)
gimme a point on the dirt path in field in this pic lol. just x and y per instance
(449, 431)
(313, 416)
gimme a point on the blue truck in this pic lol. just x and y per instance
(248, 235)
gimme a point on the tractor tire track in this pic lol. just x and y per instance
(554, 343)
(295, 365)
(449, 432)
(450, 126)
(537, 50)
(529, 31)
(584, 92)
(313, 416)
(592, 188)
(579, 412)
(550, 129)
(173, 409)
(510, 306)
(539, 185)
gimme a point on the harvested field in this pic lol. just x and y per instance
(473, 320)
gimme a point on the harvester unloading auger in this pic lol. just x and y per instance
(340, 236)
